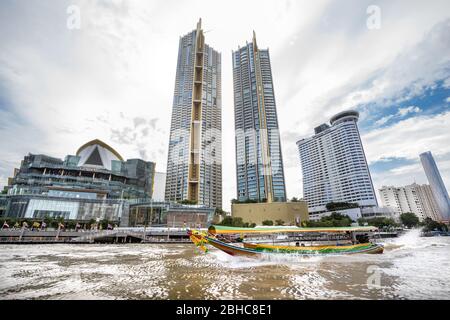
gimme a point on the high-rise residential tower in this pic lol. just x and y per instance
(428, 201)
(436, 184)
(194, 169)
(259, 162)
(413, 198)
(334, 165)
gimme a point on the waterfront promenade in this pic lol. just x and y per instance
(118, 235)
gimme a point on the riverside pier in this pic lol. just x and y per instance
(118, 235)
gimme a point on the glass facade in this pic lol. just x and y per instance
(437, 184)
(194, 163)
(38, 207)
(40, 174)
(259, 161)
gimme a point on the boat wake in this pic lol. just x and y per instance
(412, 240)
(225, 260)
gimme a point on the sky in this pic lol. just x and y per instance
(113, 77)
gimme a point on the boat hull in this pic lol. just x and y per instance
(253, 250)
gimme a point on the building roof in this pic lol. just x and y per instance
(343, 114)
(100, 143)
(96, 153)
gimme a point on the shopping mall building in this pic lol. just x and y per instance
(95, 183)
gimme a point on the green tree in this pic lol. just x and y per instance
(379, 222)
(227, 221)
(267, 223)
(333, 220)
(279, 222)
(294, 199)
(49, 221)
(237, 222)
(71, 224)
(219, 211)
(91, 223)
(336, 206)
(249, 225)
(186, 201)
(409, 219)
(232, 222)
(431, 225)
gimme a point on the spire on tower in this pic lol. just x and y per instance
(254, 40)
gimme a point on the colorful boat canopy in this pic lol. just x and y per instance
(214, 229)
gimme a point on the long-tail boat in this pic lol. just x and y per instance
(290, 240)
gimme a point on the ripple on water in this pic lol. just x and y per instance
(411, 267)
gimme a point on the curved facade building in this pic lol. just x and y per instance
(96, 171)
(437, 185)
(334, 165)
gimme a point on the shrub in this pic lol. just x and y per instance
(336, 206)
(267, 223)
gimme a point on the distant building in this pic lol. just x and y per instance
(291, 213)
(92, 184)
(360, 213)
(83, 209)
(194, 163)
(146, 212)
(436, 184)
(334, 165)
(96, 184)
(3, 204)
(159, 186)
(96, 171)
(259, 161)
(428, 202)
(411, 198)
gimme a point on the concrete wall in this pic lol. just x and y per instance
(290, 212)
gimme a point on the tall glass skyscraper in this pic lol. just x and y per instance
(334, 165)
(436, 184)
(259, 162)
(194, 168)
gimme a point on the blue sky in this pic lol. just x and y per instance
(113, 78)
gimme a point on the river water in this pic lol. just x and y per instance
(410, 268)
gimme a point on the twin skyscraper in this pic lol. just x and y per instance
(194, 164)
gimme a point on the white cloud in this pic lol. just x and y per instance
(383, 120)
(411, 109)
(408, 174)
(402, 112)
(408, 138)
